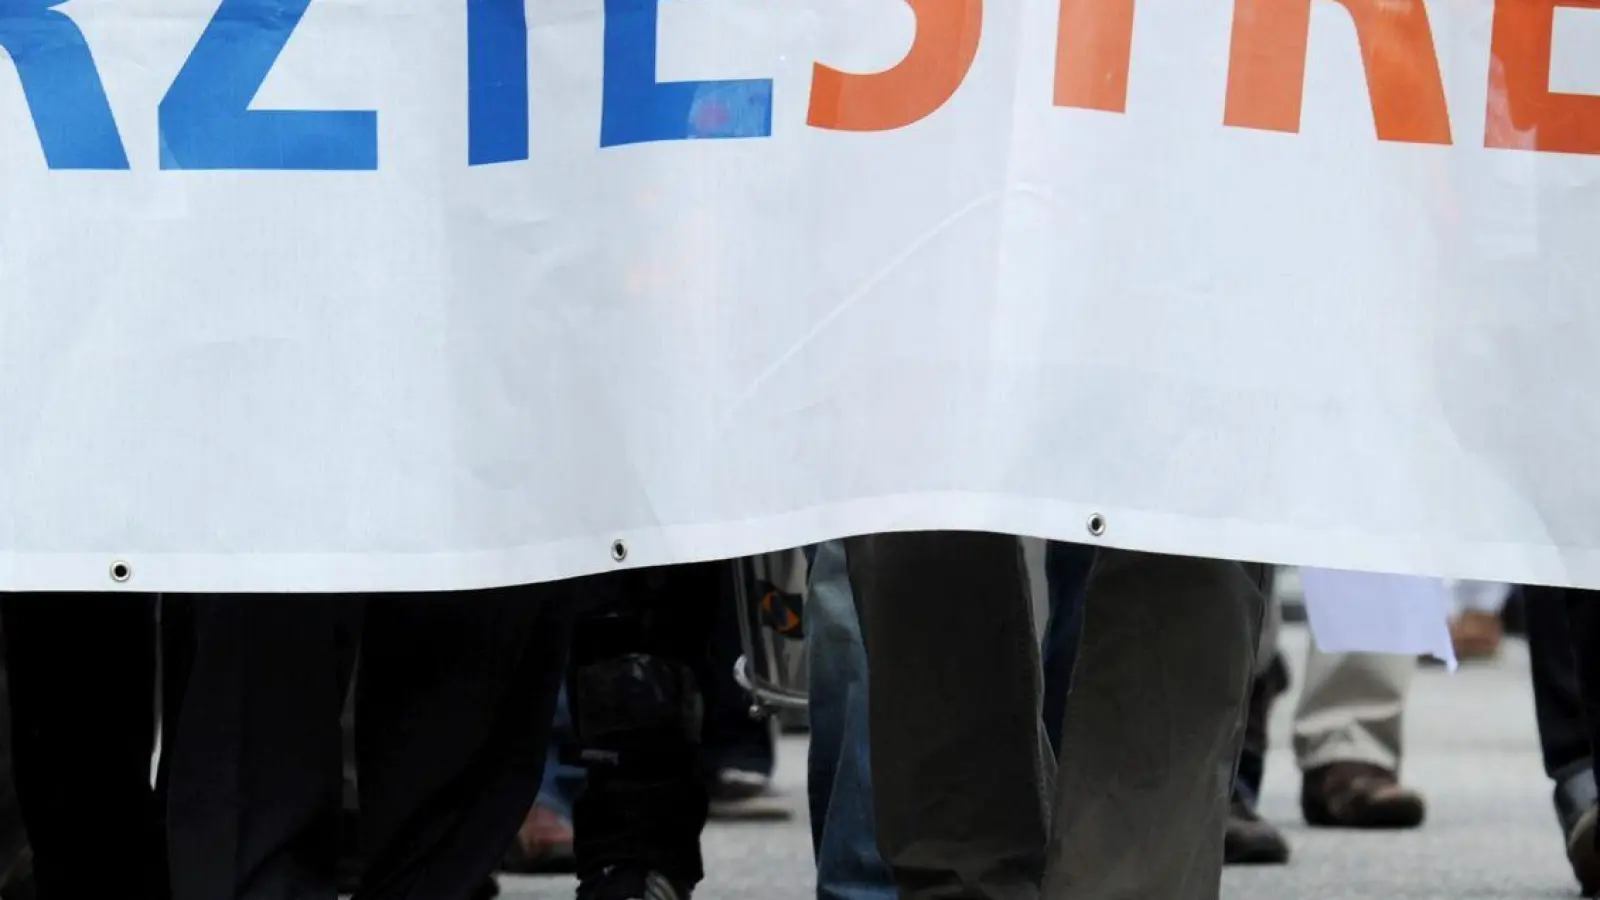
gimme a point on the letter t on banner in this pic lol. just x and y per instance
(1267, 67)
(1093, 52)
(65, 96)
(1524, 32)
(948, 33)
(637, 109)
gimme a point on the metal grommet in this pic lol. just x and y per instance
(121, 572)
(619, 551)
(1097, 525)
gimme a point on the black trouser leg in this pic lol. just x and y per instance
(254, 779)
(639, 664)
(1583, 615)
(1557, 700)
(82, 682)
(454, 702)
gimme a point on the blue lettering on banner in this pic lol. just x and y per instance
(206, 121)
(65, 96)
(638, 109)
(497, 81)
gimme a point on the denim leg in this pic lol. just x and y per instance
(839, 782)
(562, 780)
(1067, 572)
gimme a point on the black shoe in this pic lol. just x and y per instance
(617, 883)
(1583, 855)
(1574, 796)
(1250, 840)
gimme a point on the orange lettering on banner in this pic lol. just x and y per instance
(1093, 48)
(940, 58)
(1523, 112)
(1267, 66)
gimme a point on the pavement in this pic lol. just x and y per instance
(1471, 748)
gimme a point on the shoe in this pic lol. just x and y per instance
(1575, 795)
(1251, 840)
(1476, 635)
(1358, 795)
(744, 796)
(618, 883)
(489, 890)
(543, 845)
(1582, 853)
(17, 883)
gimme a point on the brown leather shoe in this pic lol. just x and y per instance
(543, 845)
(1476, 635)
(1358, 795)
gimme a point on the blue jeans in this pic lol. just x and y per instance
(1066, 568)
(562, 781)
(839, 771)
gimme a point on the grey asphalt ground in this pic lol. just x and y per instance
(1470, 747)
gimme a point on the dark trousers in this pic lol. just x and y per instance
(81, 671)
(644, 801)
(454, 699)
(962, 775)
(1557, 699)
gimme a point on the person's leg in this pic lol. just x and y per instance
(453, 710)
(1249, 839)
(1347, 739)
(16, 859)
(544, 843)
(1153, 727)
(640, 661)
(961, 770)
(839, 777)
(1066, 577)
(738, 751)
(254, 775)
(1563, 734)
(82, 681)
(1583, 618)
(1557, 702)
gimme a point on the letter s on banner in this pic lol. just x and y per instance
(206, 119)
(1520, 100)
(65, 95)
(941, 55)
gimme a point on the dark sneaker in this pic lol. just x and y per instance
(1251, 840)
(618, 883)
(1358, 795)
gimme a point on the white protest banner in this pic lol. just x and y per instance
(316, 295)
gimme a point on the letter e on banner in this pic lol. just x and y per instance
(1520, 100)
(941, 55)
(1267, 67)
